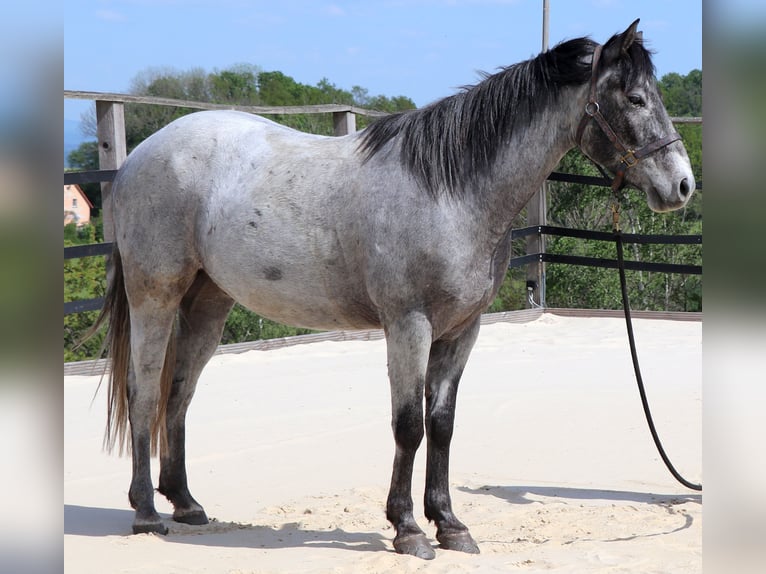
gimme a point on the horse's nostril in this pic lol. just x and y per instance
(684, 188)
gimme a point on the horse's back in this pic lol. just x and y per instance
(198, 170)
(201, 151)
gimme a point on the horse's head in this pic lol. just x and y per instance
(626, 127)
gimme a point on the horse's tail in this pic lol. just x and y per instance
(116, 314)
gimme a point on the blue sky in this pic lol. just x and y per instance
(424, 49)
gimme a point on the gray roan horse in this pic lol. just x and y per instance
(404, 225)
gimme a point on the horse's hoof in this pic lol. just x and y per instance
(414, 545)
(148, 527)
(195, 517)
(459, 540)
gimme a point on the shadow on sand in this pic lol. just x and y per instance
(519, 494)
(90, 521)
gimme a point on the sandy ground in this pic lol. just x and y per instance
(290, 452)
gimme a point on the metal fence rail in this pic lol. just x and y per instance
(606, 263)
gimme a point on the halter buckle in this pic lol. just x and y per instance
(629, 158)
(592, 108)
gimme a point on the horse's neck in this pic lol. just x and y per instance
(532, 154)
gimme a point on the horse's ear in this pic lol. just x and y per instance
(620, 43)
(630, 35)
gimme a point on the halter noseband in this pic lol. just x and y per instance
(628, 157)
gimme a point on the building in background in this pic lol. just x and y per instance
(76, 206)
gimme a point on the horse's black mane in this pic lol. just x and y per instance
(454, 141)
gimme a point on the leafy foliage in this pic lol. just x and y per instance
(84, 278)
(244, 325)
(682, 96)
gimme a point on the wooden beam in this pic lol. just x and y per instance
(112, 151)
(286, 110)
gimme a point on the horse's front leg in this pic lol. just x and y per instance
(445, 366)
(408, 342)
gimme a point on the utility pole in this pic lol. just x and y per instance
(537, 215)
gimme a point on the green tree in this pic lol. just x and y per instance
(85, 157)
(142, 120)
(682, 96)
(237, 85)
(84, 278)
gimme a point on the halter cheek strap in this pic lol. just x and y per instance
(628, 157)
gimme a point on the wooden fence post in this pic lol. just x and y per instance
(112, 151)
(344, 123)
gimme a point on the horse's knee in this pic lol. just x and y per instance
(440, 427)
(440, 421)
(408, 427)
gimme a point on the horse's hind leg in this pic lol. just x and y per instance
(445, 366)
(203, 314)
(151, 327)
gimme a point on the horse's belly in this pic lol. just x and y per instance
(312, 310)
(309, 310)
(289, 283)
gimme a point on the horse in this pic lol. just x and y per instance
(404, 226)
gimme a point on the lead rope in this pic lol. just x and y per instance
(634, 354)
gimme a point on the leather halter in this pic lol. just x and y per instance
(628, 157)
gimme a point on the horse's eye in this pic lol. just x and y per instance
(636, 100)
